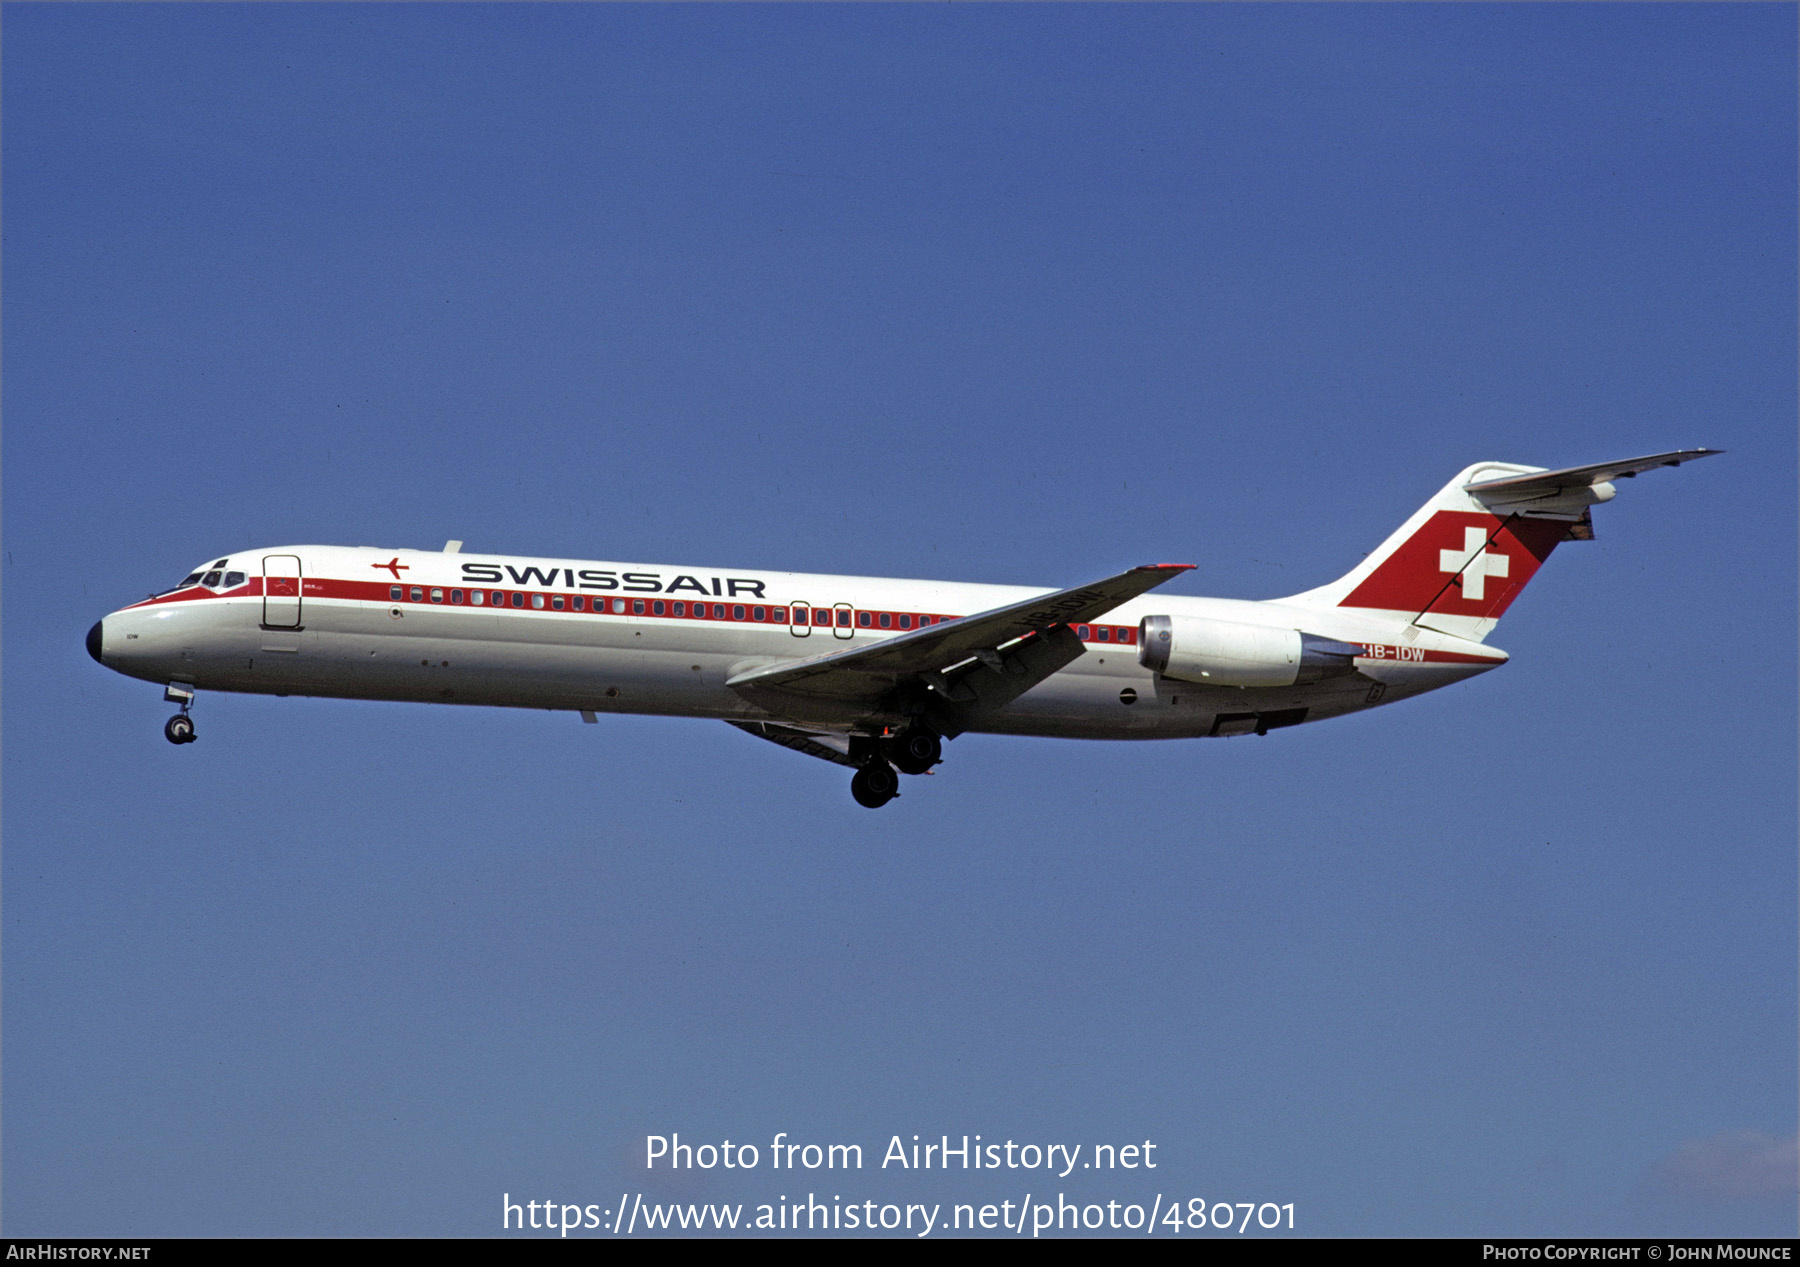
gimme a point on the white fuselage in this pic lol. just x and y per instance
(624, 638)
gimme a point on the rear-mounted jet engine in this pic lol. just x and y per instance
(1225, 653)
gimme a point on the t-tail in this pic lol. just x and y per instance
(1462, 558)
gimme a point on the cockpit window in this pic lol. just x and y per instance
(211, 579)
(192, 578)
(221, 563)
(233, 580)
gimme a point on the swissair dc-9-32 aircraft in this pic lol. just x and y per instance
(869, 673)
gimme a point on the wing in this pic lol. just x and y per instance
(1550, 483)
(956, 669)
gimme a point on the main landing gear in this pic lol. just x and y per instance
(180, 727)
(913, 751)
(875, 784)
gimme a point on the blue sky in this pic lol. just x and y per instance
(1019, 294)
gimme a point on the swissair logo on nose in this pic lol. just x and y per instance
(1476, 563)
(396, 567)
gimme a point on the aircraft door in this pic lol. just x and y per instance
(281, 591)
(841, 624)
(800, 619)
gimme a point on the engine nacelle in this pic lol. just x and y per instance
(1226, 653)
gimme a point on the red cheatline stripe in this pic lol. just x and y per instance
(382, 592)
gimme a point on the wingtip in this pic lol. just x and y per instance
(1167, 567)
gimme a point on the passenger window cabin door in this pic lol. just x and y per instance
(844, 618)
(800, 619)
(281, 591)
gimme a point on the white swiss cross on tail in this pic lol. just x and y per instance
(1475, 562)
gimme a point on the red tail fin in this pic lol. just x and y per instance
(1460, 564)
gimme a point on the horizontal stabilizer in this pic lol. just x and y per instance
(1536, 484)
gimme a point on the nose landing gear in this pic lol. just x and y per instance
(180, 727)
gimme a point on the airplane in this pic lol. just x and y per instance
(869, 673)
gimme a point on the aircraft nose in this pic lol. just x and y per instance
(94, 641)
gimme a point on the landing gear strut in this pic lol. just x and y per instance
(875, 784)
(180, 727)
